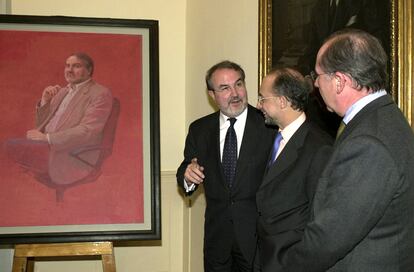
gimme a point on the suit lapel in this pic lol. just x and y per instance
(245, 149)
(370, 107)
(248, 145)
(57, 100)
(289, 154)
(213, 146)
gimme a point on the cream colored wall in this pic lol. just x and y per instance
(193, 35)
(216, 30)
(219, 30)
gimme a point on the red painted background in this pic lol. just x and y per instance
(30, 61)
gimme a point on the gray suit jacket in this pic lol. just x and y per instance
(364, 203)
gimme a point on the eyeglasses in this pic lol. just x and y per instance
(239, 84)
(314, 76)
(260, 99)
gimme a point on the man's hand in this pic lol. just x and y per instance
(194, 173)
(48, 93)
(36, 135)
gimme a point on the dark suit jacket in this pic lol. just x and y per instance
(286, 191)
(229, 213)
(364, 203)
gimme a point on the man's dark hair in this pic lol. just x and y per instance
(359, 55)
(88, 61)
(291, 84)
(226, 64)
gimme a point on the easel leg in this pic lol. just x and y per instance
(108, 263)
(30, 265)
(19, 264)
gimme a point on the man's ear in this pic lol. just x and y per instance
(283, 102)
(212, 94)
(340, 81)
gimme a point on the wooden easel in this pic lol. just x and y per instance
(24, 251)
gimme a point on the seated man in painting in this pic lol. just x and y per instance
(67, 118)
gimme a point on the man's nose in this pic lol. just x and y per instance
(233, 91)
(259, 105)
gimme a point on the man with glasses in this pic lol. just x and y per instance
(230, 175)
(300, 153)
(363, 210)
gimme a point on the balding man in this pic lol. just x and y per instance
(363, 209)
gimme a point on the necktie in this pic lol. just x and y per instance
(275, 148)
(340, 129)
(229, 159)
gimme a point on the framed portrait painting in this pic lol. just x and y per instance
(93, 171)
(291, 32)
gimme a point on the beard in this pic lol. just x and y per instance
(235, 111)
(270, 121)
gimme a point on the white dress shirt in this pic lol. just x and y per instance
(224, 125)
(289, 130)
(360, 104)
(238, 127)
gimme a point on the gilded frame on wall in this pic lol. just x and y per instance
(401, 50)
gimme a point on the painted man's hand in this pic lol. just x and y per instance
(48, 93)
(36, 135)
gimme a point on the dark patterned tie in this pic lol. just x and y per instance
(229, 159)
(276, 144)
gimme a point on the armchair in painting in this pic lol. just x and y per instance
(104, 150)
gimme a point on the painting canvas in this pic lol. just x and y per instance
(119, 202)
(291, 33)
(300, 27)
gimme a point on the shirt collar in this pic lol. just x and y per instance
(290, 129)
(241, 119)
(360, 104)
(78, 86)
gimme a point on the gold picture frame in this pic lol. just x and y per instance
(401, 50)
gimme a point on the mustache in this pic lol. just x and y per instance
(235, 99)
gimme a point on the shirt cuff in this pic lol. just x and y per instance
(48, 138)
(188, 188)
